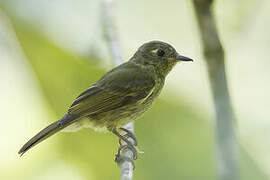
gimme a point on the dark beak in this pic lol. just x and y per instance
(183, 58)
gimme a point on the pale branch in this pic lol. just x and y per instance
(227, 149)
(109, 30)
(126, 163)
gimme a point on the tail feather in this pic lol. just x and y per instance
(47, 132)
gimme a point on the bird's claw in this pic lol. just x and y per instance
(128, 134)
(118, 156)
(129, 144)
(119, 159)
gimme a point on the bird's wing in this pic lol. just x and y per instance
(116, 89)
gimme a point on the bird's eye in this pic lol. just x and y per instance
(160, 52)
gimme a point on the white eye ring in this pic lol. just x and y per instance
(154, 51)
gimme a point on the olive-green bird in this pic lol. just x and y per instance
(120, 96)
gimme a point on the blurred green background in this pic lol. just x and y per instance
(50, 51)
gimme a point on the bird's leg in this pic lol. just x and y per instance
(129, 134)
(128, 145)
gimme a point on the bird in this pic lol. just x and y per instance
(122, 95)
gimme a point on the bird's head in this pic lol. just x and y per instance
(159, 54)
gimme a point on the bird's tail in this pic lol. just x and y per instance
(47, 132)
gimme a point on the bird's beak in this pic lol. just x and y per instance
(183, 58)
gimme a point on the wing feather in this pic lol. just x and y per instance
(116, 89)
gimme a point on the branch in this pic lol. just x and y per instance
(110, 33)
(126, 164)
(214, 55)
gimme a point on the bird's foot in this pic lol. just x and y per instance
(128, 144)
(122, 148)
(128, 134)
